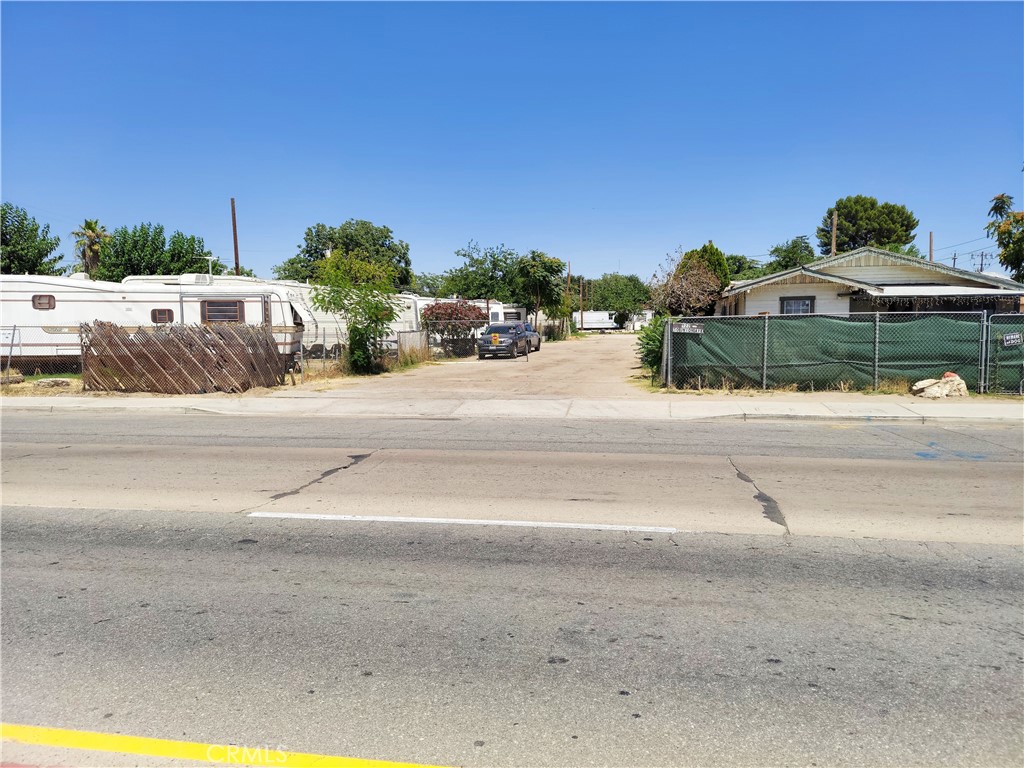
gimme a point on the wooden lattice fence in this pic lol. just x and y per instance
(179, 359)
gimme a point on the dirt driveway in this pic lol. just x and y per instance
(599, 366)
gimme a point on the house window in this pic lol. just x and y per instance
(223, 311)
(796, 305)
(162, 316)
(43, 301)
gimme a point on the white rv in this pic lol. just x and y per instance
(328, 333)
(40, 316)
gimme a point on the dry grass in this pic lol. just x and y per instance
(28, 387)
(899, 386)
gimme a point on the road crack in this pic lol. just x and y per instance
(354, 460)
(770, 507)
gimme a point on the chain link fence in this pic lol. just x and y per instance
(452, 338)
(1004, 363)
(826, 352)
(41, 349)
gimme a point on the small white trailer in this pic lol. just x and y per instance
(40, 315)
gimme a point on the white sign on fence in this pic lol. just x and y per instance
(1012, 339)
(687, 327)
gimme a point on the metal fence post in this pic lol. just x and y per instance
(875, 368)
(983, 358)
(764, 356)
(10, 351)
(666, 352)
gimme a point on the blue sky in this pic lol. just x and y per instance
(604, 134)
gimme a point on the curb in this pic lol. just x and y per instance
(740, 417)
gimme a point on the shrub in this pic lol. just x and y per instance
(649, 343)
(453, 322)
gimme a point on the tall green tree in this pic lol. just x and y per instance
(428, 284)
(710, 256)
(790, 254)
(487, 273)
(864, 222)
(90, 238)
(145, 250)
(25, 247)
(356, 239)
(625, 295)
(905, 250)
(744, 268)
(1007, 229)
(538, 281)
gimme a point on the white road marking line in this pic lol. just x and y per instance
(461, 521)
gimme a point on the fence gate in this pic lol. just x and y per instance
(1005, 354)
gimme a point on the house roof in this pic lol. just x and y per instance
(992, 284)
(941, 290)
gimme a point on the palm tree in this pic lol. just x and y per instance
(90, 236)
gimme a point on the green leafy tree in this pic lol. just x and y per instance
(906, 250)
(743, 268)
(356, 239)
(488, 273)
(1007, 229)
(25, 247)
(790, 254)
(711, 257)
(428, 284)
(360, 292)
(91, 236)
(625, 295)
(145, 250)
(538, 281)
(864, 222)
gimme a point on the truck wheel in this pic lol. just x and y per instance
(515, 351)
(481, 355)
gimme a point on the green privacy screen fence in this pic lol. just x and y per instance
(858, 351)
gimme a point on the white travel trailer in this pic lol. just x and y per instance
(328, 332)
(40, 316)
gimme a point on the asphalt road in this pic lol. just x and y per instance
(872, 616)
(457, 646)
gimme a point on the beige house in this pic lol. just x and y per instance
(871, 280)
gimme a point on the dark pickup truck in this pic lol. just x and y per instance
(533, 338)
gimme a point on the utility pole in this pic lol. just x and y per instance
(954, 259)
(835, 225)
(931, 246)
(234, 233)
(580, 328)
(981, 261)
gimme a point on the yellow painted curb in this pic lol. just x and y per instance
(224, 754)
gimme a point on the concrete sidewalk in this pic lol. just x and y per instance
(800, 406)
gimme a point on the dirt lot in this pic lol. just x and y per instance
(599, 366)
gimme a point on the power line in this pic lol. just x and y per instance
(957, 245)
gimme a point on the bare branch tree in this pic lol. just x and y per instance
(687, 290)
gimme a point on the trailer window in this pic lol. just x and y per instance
(162, 316)
(223, 311)
(43, 301)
